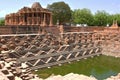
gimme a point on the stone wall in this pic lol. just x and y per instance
(110, 42)
(5, 30)
(27, 29)
(83, 29)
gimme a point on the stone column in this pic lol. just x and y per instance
(23, 18)
(12, 20)
(32, 18)
(50, 20)
(37, 14)
(15, 23)
(15, 20)
(41, 19)
(44, 20)
(20, 19)
(28, 23)
(9, 20)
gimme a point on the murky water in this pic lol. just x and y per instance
(104, 75)
(101, 67)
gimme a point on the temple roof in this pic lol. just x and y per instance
(36, 5)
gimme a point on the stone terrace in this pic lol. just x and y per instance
(21, 53)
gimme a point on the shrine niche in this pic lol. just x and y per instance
(114, 25)
(113, 28)
(36, 15)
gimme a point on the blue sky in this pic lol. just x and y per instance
(111, 6)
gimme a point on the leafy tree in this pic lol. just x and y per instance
(61, 11)
(2, 22)
(101, 18)
(83, 16)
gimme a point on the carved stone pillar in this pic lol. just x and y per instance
(27, 21)
(50, 20)
(27, 16)
(20, 20)
(38, 19)
(23, 19)
(44, 20)
(10, 20)
(41, 19)
(32, 18)
(13, 20)
(15, 23)
(37, 16)
(16, 19)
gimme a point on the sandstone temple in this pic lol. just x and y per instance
(36, 15)
(29, 41)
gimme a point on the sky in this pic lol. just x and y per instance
(110, 6)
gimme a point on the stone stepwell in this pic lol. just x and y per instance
(33, 51)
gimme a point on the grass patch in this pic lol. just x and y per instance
(100, 67)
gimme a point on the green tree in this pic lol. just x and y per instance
(101, 18)
(61, 11)
(83, 16)
(2, 22)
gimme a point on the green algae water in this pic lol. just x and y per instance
(101, 67)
